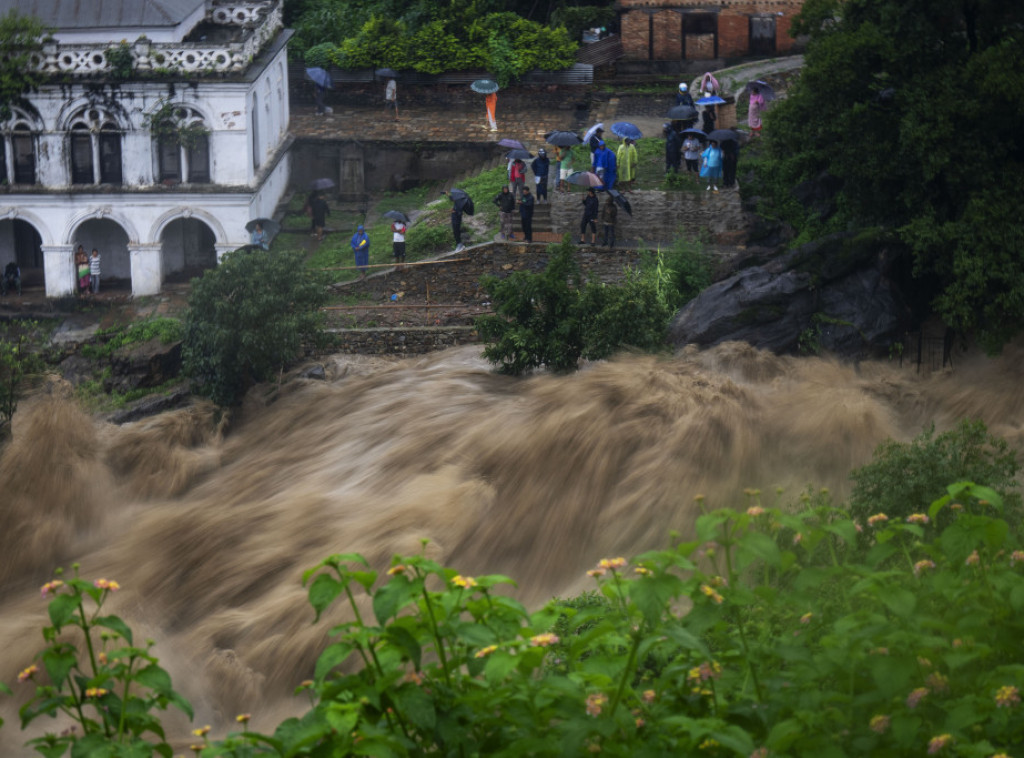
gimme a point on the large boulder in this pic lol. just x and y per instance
(832, 294)
(145, 364)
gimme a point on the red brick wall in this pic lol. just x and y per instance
(635, 33)
(700, 47)
(783, 42)
(733, 34)
(668, 33)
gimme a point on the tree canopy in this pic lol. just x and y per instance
(915, 106)
(508, 37)
(20, 36)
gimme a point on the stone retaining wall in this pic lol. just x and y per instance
(404, 341)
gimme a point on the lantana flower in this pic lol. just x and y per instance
(1007, 696)
(755, 511)
(879, 724)
(915, 697)
(922, 566)
(595, 702)
(973, 559)
(878, 518)
(243, 718)
(936, 744)
(546, 639)
(28, 673)
(710, 591)
(105, 584)
(95, 692)
(397, 569)
(612, 563)
(52, 586)
(917, 518)
(485, 651)
(466, 582)
(1017, 556)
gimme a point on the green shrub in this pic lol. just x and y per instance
(322, 55)
(167, 330)
(688, 269)
(18, 360)
(575, 20)
(904, 477)
(430, 235)
(247, 319)
(634, 314)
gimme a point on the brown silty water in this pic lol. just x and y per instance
(208, 533)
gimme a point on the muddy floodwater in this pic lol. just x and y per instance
(209, 532)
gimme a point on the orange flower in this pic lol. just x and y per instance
(28, 673)
(95, 692)
(104, 584)
(612, 563)
(243, 718)
(485, 651)
(202, 731)
(399, 569)
(544, 640)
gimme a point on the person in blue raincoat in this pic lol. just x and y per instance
(711, 165)
(361, 250)
(605, 165)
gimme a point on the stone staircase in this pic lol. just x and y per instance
(543, 229)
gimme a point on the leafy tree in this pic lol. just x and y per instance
(915, 107)
(20, 37)
(551, 319)
(18, 359)
(247, 319)
(907, 477)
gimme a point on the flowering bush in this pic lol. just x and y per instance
(770, 633)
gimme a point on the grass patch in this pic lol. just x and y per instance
(167, 330)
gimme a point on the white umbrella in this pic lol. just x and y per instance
(591, 130)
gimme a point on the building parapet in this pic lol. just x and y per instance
(258, 20)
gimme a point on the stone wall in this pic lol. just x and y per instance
(405, 341)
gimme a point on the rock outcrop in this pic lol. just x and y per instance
(832, 294)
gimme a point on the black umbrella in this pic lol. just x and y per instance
(523, 155)
(459, 197)
(321, 184)
(562, 138)
(696, 132)
(682, 112)
(387, 73)
(270, 226)
(623, 202)
(723, 135)
(397, 216)
(319, 77)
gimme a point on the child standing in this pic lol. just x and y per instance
(94, 271)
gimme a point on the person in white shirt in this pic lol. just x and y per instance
(398, 241)
(391, 97)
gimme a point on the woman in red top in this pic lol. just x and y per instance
(517, 178)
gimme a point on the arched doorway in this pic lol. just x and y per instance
(188, 249)
(111, 240)
(20, 242)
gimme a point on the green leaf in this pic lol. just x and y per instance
(322, 592)
(62, 608)
(844, 530)
(58, 662)
(761, 546)
(901, 602)
(652, 594)
(393, 596)
(342, 717)
(115, 624)
(1017, 597)
(402, 639)
(155, 678)
(333, 656)
(417, 706)
(685, 638)
(499, 664)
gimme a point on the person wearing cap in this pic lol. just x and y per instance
(683, 96)
(595, 138)
(361, 250)
(626, 157)
(541, 166)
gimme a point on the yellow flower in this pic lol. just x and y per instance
(51, 586)
(648, 696)
(202, 731)
(711, 593)
(105, 584)
(544, 640)
(708, 744)
(879, 724)
(612, 563)
(399, 569)
(755, 511)
(102, 658)
(1007, 696)
(806, 618)
(243, 718)
(485, 651)
(95, 692)
(27, 674)
(878, 518)
(464, 581)
(596, 573)
(642, 571)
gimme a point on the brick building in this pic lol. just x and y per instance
(692, 30)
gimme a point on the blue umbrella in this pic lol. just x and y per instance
(697, 132)
(710, 100)
(319, 77)
(626, 130)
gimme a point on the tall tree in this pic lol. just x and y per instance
(916, 106)
(20, 37)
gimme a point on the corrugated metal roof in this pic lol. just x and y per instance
(93, 14)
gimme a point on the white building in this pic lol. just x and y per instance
(161, 130)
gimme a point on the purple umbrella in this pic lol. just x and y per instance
(513, 143)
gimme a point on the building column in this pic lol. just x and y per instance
(95, 157)
(8, 157)
(147, 268)
(59, 270)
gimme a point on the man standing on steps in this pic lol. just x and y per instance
(506, 203)
(526, 214)
(457, 224)
(541, 166)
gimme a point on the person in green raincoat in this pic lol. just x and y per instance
(627, 159)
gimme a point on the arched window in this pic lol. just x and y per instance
(182, 145)
(18, 149)
(95, 149)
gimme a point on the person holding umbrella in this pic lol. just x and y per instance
(259, 237)
(712, 165)
(398, 229)
(457, 208)
(672, 146)
(318, 210)
(506, 203)
(361, 250)
(754, 109)
(590, 209)
(691, 152)
(391, 97)
(526, 214)
(626, 157)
